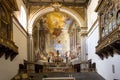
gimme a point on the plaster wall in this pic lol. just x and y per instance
(103, 67)
(8, 69)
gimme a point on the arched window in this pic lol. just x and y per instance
(23, 17)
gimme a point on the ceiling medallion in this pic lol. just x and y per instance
(56, 6)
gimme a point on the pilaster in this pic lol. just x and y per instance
(30, 48)
(83, 36)
(30, 64)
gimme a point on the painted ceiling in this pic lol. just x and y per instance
(56, 22)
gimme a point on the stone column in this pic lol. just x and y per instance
(30, 48)
(83, 35)
(75, 39)
(30, 64)
(83, 47)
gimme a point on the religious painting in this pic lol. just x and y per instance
(76, 54)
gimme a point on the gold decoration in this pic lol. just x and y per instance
(24, 76)
(56, 6)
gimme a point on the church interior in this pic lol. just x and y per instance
(59, 39)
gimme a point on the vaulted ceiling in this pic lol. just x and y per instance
(65, 2)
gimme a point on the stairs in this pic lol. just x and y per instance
(78, 76)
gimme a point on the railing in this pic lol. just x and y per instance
(60, 78)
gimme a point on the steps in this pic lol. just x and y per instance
(78, 76)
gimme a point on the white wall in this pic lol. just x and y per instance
(8, 69)
(91, 14)
(21, 14)
(92, 40)
(104, 67)
(20, 39)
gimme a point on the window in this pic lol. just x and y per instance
(23, 17)
(113, 68)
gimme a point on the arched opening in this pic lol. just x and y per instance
(47, 43)
(45, 10)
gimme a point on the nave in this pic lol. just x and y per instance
(53, 72)
(77, 38)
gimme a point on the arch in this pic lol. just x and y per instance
(45, 10)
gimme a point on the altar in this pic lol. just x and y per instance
(58, 67)
(59, 78)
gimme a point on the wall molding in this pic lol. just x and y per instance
(92, 27)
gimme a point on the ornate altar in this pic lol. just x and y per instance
(109, 24)
(61, 67)
(57, 59)
(57, 66)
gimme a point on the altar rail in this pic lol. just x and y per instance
(59, 78)
(58, 69)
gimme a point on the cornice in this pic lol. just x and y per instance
(19, 24)
(98, 6)
(89, 31)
